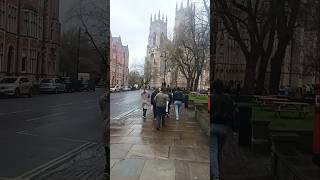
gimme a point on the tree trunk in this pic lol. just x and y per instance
(276, 66)
(196, 83)
(261, 75)
(249, 79)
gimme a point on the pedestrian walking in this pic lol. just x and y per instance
(154, 107)
(145, 99)
(178, 99)
(169, 92)
(161, 102)
(221, 120)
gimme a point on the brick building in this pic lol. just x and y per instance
(29, 38)
(119, 62)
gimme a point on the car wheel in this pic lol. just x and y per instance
(17, 92)
(30, 93)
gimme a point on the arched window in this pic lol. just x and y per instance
(154, 39)
(162, 38)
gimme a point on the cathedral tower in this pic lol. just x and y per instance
(156, 41)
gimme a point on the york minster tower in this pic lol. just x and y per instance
(154, 61)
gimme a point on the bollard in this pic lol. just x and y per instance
(316, 128)
(245, 129)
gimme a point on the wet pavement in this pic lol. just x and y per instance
(179, 151)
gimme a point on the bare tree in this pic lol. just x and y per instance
(94, 22)
(251, 24)
(190, 47)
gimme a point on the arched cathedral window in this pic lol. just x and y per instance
(154, 38)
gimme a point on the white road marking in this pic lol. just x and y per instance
(3, 178)
(125, 113)
(15, 112)
(89, 101)
(28, 134)
(55, 162)
(86, 108)
(50, 115)
(58, 105)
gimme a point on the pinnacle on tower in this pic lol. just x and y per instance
(176, 6)
(155, 17)
(181, 6)
(159, 15)
(166, 18)
(188, 3)
(162, 17)
(151, 18)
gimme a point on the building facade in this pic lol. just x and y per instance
(119, 62)
(29, 38)
(159, 71)
(156, 74)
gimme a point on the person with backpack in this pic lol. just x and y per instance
(161, 103)
(145, 99)
(221, 122)
(154, 107)
(178, 99)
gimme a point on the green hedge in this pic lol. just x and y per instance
(287, 120)
(198, 99)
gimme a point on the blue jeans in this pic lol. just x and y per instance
(177, 108)
(161, 112)
(218, 135)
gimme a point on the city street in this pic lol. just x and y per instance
(37, 130)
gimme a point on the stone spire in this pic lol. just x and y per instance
(162, 17)
(176, 6)
(166, 19)
(151, 18)
(188, 3)
(155, 17)
(159, 15)
(181, 5)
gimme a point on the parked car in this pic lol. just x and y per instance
(126, 88)
(115, 89)
(52, 85)
(69, 83)
(16, 86)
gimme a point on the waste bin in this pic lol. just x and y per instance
(244, 123)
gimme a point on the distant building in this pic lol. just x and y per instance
(157, 70)
(29, 38)
(155, 60)
(119, 62)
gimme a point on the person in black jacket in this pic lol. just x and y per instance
(221, 119)
(169, 92)
(178, 99)
(154, 107)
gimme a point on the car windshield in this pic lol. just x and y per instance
(8, 80)
(46, 81)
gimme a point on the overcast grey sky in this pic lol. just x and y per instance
(131, 20)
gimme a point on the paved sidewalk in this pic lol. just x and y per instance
(241, 163)
(179, 151)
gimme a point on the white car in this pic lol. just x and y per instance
(53, 85)
(126, 88)
(16, 86)
(115, 89)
